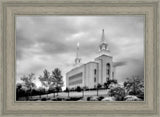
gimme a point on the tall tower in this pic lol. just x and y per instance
(103, 46)
(105, 66)
(77, 59)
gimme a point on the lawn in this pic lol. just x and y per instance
(73, 94)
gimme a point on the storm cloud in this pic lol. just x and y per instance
(47, 42)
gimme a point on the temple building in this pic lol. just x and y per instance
(94, 72)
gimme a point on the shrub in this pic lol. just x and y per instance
(118, 93)
(88, 98)
(78, 89)
(59, 99)
(100, 98)
(132, 98)
(51, 90)
(74, 98)
(67, 89)
(85, 88)
(43, 99)
(72, 89)
(135, 86)
(106, 84)
(99, 86)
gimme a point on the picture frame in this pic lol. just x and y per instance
(10, 9)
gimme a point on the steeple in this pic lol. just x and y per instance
(77, 50)
(103, 46)
(103, 38)
(77, 59)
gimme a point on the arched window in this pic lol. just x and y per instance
(107, 71)
(94, 79)
(95, 71)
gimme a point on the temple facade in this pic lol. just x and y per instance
(94, 72)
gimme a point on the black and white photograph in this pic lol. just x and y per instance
(80, 58)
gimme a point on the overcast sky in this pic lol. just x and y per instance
(48, 42)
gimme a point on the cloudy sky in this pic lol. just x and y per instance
(48, 42)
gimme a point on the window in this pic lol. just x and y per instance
(94, 79)
(95, 71)
(108, 69)
(76, 76)
(75, 82)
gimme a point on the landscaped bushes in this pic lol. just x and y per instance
(109, 82)
(135, 86)
(78, 89)
(118, 93)
(132, 90)
(22, 92)
(132, 98)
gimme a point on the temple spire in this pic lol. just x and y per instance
(77, 59)
(77, 54)
(103, 38)
(103, 47)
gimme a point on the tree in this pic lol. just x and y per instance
(45, 79)
(18, 90)
(106, 84)
(118, 93)
(52, 89)
(98, 87)
(84, 88)
(57, 78)
(35, 92)
(78, 89)
(67, 90)
(53, 82)
(135, 86)
(41, 91)
(28, 83)
(18, 86)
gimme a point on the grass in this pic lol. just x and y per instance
(73, 96)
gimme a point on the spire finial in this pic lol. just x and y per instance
(77, 59)
(77, 49)
(103, 46)
(102, 40)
